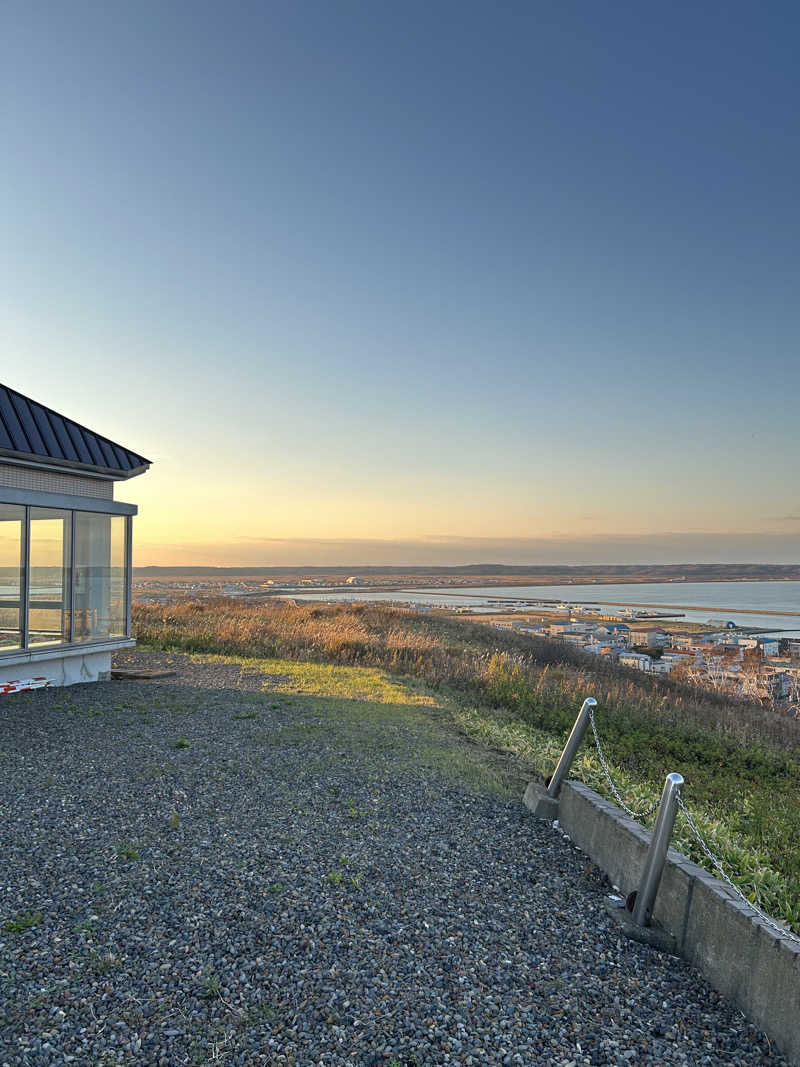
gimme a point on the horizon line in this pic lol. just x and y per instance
(478, 567)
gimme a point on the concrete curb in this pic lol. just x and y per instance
(739, 954)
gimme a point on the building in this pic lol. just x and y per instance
(653, 638)
(661, 666)
(65, 546)
(686, 640)
(615, 634)
(638, 660)
(679, 655)
(778, 684)
(575, 639)
(599, 648)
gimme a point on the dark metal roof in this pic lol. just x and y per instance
(31, 431)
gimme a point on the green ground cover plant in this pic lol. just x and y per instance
(741, 762)
(22, 922)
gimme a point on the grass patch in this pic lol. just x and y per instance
(23, 921)
(128, 851)
(211, 986)
(376, 670)
(103, 962)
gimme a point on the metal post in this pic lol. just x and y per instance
(657, 853)
(571, 747)
(25, 599)
(73, 629)
(128, 576)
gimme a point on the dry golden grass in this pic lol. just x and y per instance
(454, 652)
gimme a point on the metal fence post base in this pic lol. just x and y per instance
(540, 802)
(650, 935)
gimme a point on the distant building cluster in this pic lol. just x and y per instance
(758, 667)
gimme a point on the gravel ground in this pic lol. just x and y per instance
(215, 873)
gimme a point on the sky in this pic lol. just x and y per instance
(415, 282)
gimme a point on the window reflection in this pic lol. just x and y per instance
(100, 579)
(88, 577)
(49, 597)
(12, 527)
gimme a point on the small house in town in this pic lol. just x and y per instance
(65, 546)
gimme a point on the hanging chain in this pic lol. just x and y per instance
(610, 780)
(784, 931)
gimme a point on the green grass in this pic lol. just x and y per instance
(127, 850)
(418, 675)
(211, 986)
(327, 680)
(743, 799)
(103, 962)
(23, 921)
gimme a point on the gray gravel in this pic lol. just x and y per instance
(230, 875)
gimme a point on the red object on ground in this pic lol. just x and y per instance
(28, 683)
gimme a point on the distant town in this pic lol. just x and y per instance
(727, 659)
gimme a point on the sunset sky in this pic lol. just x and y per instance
(415, 282)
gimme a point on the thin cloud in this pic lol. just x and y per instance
(673, 547)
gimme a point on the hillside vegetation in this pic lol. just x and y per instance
(741, 762)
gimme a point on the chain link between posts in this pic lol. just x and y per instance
(784, 931)
(610, 780)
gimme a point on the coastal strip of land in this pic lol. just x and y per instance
(621, 604)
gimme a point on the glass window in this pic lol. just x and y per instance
(119, 576)
(100, 578)
(49, 596)
(12, 526)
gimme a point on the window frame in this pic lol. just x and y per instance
(73, 504)
(23, 584)
(27, 646)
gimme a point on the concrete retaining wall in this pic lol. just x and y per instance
(739, 954)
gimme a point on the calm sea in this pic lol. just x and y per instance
(744, 603)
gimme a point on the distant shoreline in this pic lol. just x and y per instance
(638, 604)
